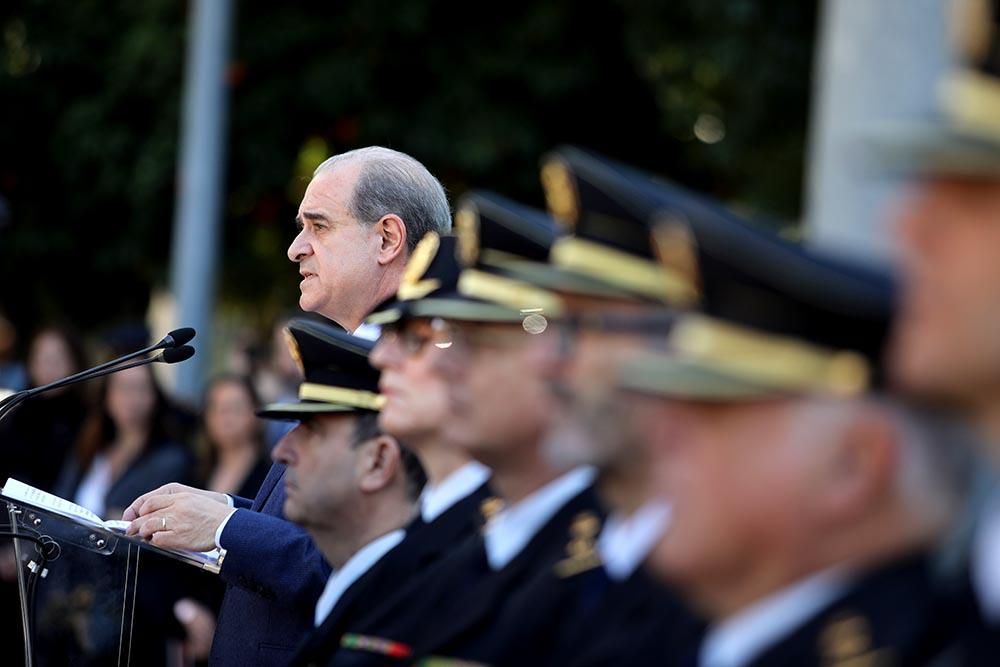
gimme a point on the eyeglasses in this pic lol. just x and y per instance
(651, 324)
(413, 338)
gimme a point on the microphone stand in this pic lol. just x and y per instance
(168, 344)
(26, 590)
(168, 341)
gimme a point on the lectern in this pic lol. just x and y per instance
(77, 585)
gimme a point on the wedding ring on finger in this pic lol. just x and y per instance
(163, 523)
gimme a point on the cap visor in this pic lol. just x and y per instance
(295, 411)
(464, 309)
(673, 377)
(388, 316)
(560, 280)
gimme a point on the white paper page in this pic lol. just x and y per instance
(117, 525)
(17, 490)
(29, 494)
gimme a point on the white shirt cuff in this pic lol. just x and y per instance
(222, 526)
(229, 501)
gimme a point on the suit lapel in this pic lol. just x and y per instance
(274, 480)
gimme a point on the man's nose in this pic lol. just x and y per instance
(385, 352)
(283, 450)
(299, 247)
(551, 350)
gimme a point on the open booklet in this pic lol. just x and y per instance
(25, 493)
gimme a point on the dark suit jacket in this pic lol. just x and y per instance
(424, 544)
(274, 574)
(460, 605)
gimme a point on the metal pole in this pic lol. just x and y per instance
(22, 589)
(197, 221)
(875, 61)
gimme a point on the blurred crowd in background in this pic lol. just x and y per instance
(103, 443)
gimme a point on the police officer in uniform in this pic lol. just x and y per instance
(482, 603)
(945, 346)
(351, 486)
(806, 504)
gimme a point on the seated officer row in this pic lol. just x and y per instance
(652, 434)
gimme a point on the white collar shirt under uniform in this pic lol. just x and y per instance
(625, 541)
(438, 499)
(362, 561)
(510, 530)
(741, 638)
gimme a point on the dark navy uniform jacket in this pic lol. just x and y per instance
(461, 608)
(899, 614)
(274, 574)
(424, 544)
(638, 622)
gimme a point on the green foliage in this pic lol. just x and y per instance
(87, 153)
(90, 93)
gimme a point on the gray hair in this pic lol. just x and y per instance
(937, 453)
(394, 182)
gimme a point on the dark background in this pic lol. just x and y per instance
(90, 98)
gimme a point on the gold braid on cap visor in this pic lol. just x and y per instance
(623, 270)
(774, 361)
(507, 292)
(355, 398)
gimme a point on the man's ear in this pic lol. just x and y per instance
(392, 237)
(860, 466)
(379, 464)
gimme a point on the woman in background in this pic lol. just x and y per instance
(39, 435)
(234, 456)
(128, 446)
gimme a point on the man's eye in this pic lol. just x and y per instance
(415, 343)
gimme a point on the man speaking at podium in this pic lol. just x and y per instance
(361, 215)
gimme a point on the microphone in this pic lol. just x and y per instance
(175, 355)
(170, 353)
(168, 356)
(173, 339)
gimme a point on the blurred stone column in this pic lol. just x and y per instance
(197, 221)
(876, 60)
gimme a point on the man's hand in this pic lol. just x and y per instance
(180, 520)
(133, 511)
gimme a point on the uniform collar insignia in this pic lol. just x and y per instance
(581, 551)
